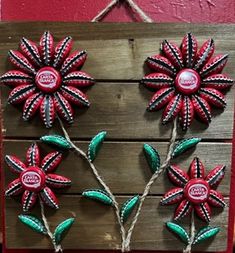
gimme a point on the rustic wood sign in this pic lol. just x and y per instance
(116, 56)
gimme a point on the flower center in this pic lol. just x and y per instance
(48, 79)
(33, 179)
(197, 190)
(187, 81)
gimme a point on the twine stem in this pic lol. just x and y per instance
(165, 164)
(188, 249)
(58, 247)
(99, 179)
(126, 238)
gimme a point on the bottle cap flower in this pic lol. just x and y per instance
(46, 79)
(187, 81)
(194, 190)
(36, 178)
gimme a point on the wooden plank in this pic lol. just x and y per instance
(13, 31)
(121, 55)
(120, 162)
(95, 227)
(119, 109)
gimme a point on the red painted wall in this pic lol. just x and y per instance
(214, 11)
(191, 11)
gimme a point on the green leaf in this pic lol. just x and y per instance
(56, 140)
(33, 222)
(128, 207)
(205, 233)
(152, 157)
(184, 145)
(62, 229)
(99, 195)
(179, 231)
(95, 145)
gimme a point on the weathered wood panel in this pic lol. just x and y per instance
(95, 227)
(120, 109)
(116, 59)
(124, 167)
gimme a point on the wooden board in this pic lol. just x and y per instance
(96, 225)
(125, 160)
(116, 60)
(120, 109)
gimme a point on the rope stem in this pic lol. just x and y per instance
(57, 248)
(188, 249)
(165, 164)
(99, 179)
(126, 238)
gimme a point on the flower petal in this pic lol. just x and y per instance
(172, 109)
(49, 198)
(31, 105)
(63, 107)
(161, 64)
(218, 81)
(15, 78)
(186, 113)
(177, 176)
(202, 108)
(28, 200)
(51, 161)
(15, 164)
(75, 96)
(21, 93)
(213, 96)
(19, 61)
(203, 211)
(157, 81)
(183, 209)
(173, 53)
(14, 188)
(57, 181)
(47, 111)
(204, 54)
(31, 51)
(33, 155)
(62, 50)
(161, 98)
(189, 49)
(173, 196)
(78, 79)
(197, 169)
(216, 199)
(47, 47)
(214, 65)
(215, 176)
(74, 61)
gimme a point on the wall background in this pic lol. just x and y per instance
(191, 11)
(213, 11)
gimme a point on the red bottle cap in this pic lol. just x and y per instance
(187, 81)
(197, 190)
(48, 79)
(33, 179)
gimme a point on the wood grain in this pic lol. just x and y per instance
(119, 162)
(116, 60)
(120, 55)
(95, 227)
(120, 109)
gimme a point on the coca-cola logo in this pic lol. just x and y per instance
(31, 179)
(47, 79)
(188, 80)
(198, 191)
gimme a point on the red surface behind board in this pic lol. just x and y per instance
(190, 11)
